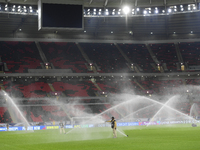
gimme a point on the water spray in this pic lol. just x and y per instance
(122, 133)
(15, 106)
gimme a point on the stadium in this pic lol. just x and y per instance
(68, 66)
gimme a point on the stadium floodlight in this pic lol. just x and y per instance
(106, 9)
(175, 9)
(13, 6)
(32, 10)
(181, 6)
(182, 9)
(99, 13)
(113, 9)
(145, 12)
(191, 32)
(95, 9)
(126, 10)
(133, 12)
(94, 13)
(163, 11)
(151, 32)
(149, 11)
(156, 11)
(119, 12)
(113, 13)
(169, 10)
(138, 9)
(88, 10)
(84, 31)
(111, 32)
(99, 9)
(107, 13)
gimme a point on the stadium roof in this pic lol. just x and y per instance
(113, 3)
(184, 25)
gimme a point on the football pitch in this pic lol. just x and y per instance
(178, 137)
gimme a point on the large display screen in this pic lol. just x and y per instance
(60, 16)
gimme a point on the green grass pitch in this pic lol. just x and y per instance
(179, 137)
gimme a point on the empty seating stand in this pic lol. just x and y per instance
(166, 53)
(27, 89)
(64, 56)
(76, 88)
(4, 115)
(138, 53)
(20, 56)
(106, 56)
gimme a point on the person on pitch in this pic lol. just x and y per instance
(113, 126)
(62, 127)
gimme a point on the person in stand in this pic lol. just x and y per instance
(62, 130)
(113, 126)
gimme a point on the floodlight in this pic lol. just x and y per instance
(181, 6)
(99, 13)
(126, 10)
(94, 13)
(169, 10)
(32, 10)
(145, 12)
(138, 9)
(182, 9)
(107, 13)
(119, 13)
(99, 9)
(113, 13)
(156, 11)
(94, 9)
